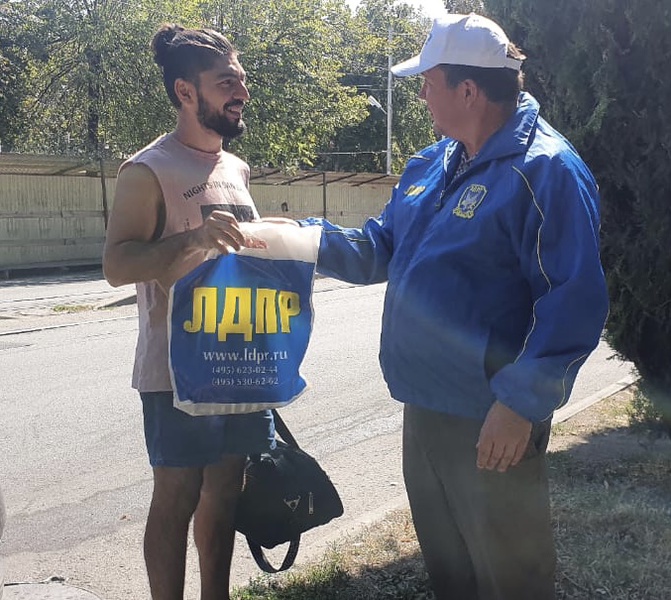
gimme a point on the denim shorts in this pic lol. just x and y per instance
(176, 439)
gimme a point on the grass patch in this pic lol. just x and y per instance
(381, 561)
(611, 502)
(612, 527)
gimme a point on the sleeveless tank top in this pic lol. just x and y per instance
(193, 183)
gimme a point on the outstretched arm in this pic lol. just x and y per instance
(357, 255)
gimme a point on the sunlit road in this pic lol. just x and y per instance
(72, 458)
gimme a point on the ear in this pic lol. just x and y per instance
(185, 91)
(470, 92)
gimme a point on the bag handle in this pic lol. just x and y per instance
(262, 560)
(283, 430)
(292, 551)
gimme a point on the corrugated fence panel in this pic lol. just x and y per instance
(292, 202)
(349, 206)
(59, 219)
(50, 220)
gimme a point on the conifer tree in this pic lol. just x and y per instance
(600, 71)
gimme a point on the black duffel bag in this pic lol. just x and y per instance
(285, 493)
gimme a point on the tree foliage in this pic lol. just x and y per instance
(18, 47)
(86, 78)
(600, 70)
(78, 77)
(294, 55)
(383, 31)
(90, 84)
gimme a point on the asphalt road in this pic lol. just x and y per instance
(72, 458)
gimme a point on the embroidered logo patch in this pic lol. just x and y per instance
(470, 200)
(415, 190)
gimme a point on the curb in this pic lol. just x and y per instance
(45, 590)
(122, 301)
(364, 520)
(61, 326)
(566, 412)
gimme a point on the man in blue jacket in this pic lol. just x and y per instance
(495, 298)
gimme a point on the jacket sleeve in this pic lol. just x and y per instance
(559, 257)
(356, 255)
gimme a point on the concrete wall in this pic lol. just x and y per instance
(58, 220)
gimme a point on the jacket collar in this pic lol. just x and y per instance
(513, 138)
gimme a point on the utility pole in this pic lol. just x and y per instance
(389, 103)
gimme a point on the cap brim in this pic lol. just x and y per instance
(408, 67)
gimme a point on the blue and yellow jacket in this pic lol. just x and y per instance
(495, 288)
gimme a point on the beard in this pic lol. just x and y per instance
(218, 122)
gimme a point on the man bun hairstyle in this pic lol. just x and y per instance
(184, 53)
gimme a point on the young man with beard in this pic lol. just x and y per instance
(176, 200)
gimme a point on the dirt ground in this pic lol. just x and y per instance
(603, 432)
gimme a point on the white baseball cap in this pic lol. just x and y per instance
(469, 40)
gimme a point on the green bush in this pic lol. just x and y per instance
(645, 417)
(601, 72)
